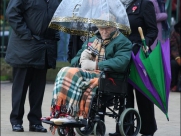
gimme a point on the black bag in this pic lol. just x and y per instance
(110, 85)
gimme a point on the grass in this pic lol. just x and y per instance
(5, 70)
(4, 78)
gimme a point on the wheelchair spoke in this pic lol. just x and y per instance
(127, 129)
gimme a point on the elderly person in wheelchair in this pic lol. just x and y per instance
(76, 86)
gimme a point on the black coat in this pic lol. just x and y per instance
(75, 44)
(144, 16)
(31, 43)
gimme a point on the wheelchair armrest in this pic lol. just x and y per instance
(107, 70)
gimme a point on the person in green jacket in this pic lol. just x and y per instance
(75, 86)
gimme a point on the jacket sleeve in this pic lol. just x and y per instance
(14, 15)
(159, 16)
(150, 22)
(120, 59)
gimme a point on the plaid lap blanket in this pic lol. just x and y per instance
(71, 88)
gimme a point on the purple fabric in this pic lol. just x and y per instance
(159, 17)
(166, 63)
(145, 78)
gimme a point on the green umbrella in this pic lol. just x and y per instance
(150, 74)
(154, 67)
(137, 81)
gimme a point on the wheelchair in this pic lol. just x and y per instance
(128, 119)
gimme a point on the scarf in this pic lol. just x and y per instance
(98, 47)
(126, 3)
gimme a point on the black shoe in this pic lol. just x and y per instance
(37, 128)
(114, 134)
(146, 135)
(17, 128)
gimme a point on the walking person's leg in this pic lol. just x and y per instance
(36, 93)
(19, 90)
(147, 114)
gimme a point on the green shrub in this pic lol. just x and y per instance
(5, 71)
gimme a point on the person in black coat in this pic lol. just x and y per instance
(75, 44)
(32, 49)
(141, 13)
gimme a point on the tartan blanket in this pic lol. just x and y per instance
(75, 88)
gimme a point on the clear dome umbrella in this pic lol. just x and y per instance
(78, 17)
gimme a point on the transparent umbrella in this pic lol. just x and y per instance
(77, 17)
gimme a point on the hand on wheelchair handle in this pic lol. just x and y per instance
(88, 64)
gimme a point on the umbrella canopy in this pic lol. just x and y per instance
(151, 75)
(139, 79)
(78, 16)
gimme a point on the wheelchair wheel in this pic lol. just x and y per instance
(99, 128)
(61, 131)
(87, 130)
(129, 122)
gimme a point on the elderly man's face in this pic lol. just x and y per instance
(105, 32)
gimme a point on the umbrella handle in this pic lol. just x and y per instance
(143, 39)
(141, 33)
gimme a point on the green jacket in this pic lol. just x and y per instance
(117, 54)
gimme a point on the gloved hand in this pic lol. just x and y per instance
(86, 55)
(88, 65)
(145, 49)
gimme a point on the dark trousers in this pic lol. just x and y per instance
(35, 80)
(174, 72)
(146, 111)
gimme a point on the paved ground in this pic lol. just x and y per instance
(165, 128)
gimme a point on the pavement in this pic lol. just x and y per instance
(165, 128)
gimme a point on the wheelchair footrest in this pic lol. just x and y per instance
(73, 124)
(80, 123)
(49, 122)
